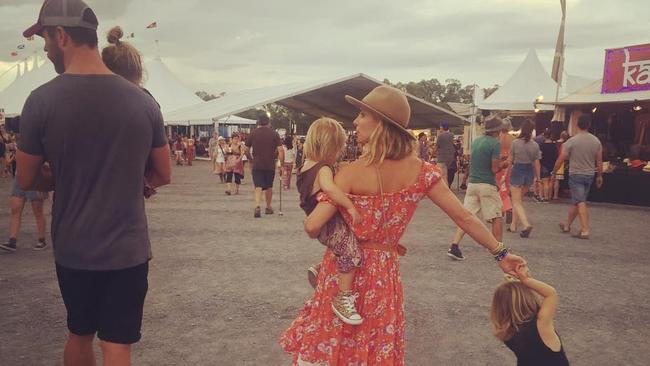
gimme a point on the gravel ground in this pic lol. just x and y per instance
(224, 286)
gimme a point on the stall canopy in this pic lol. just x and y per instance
(315, 98)
(229, 120)
(160, 81)
(529, 82)
(591, 94)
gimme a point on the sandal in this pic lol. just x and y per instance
(580, 235)
(508, 229)
(526, 232)
(564, 229)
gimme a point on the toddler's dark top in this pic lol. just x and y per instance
(305, 183)
(531, 350)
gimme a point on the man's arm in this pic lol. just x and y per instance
(32, 173)
(599, 167)
(281, 155)
(560, 160)
(159, 171)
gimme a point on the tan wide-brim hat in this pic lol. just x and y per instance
(389, 103)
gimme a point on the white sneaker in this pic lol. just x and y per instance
(343, 307)
(40, 245)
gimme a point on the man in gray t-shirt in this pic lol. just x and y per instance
(585, 154)
(99, 136)
(445, 149)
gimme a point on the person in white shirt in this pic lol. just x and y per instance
(289, 160)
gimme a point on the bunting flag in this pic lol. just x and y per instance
(153, 25)
(14, 54)
(21, 46)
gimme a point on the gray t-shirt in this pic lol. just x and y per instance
(582, 150)
(97, 132)
(446, 149)
(523, 152)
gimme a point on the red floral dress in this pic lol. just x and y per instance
(317, 336)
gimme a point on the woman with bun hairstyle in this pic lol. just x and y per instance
(124, 60)
(385, 184)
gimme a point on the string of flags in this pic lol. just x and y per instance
(130, 35)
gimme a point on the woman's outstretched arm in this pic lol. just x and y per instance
(444, 198)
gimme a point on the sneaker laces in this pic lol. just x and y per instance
(347, 300)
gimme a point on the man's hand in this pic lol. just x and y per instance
(599, 181)
(510, 263)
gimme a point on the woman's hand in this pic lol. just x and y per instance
(511, 263)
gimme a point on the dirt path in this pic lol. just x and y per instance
(223, 286)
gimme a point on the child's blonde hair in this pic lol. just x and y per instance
(325, 140)
(512, 305)
(387, 142)
(122, 58)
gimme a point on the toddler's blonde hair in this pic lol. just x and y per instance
(513, 304)
(325, 140)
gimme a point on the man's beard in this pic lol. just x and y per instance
(56, 56)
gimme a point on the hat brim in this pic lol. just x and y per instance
(361, 105)
(35, 29)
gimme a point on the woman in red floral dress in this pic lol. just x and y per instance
(385, 184)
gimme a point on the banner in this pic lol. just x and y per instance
(627, 69)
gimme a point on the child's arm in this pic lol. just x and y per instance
(549, 303)
(326, 183)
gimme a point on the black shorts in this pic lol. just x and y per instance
(263, 178)
(108, 303)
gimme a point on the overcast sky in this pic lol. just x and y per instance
(218, 45)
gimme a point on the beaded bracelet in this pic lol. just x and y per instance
(498, 249)
(502, 254)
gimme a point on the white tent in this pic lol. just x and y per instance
(591, 94)
(229, 120)
(168, 90)
(529, 82)
(164, 86)
(317, 99)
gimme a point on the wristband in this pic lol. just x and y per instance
(502, 254)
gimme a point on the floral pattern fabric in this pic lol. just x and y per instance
(317, 336)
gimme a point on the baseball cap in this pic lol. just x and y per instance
(445, 125)
(64, 13)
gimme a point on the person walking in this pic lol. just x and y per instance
(213, 143)
(549, 156)
(190, 150)
(385, 185)
(220, 158)
(289, 160)
(266, 145)
(482, 195)
(17, 201)
(503, 176)
(234, 166)
(445, 149)
(423, 147)
(178, 150)
(99, 227)
(585, 154)
(524, 157)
